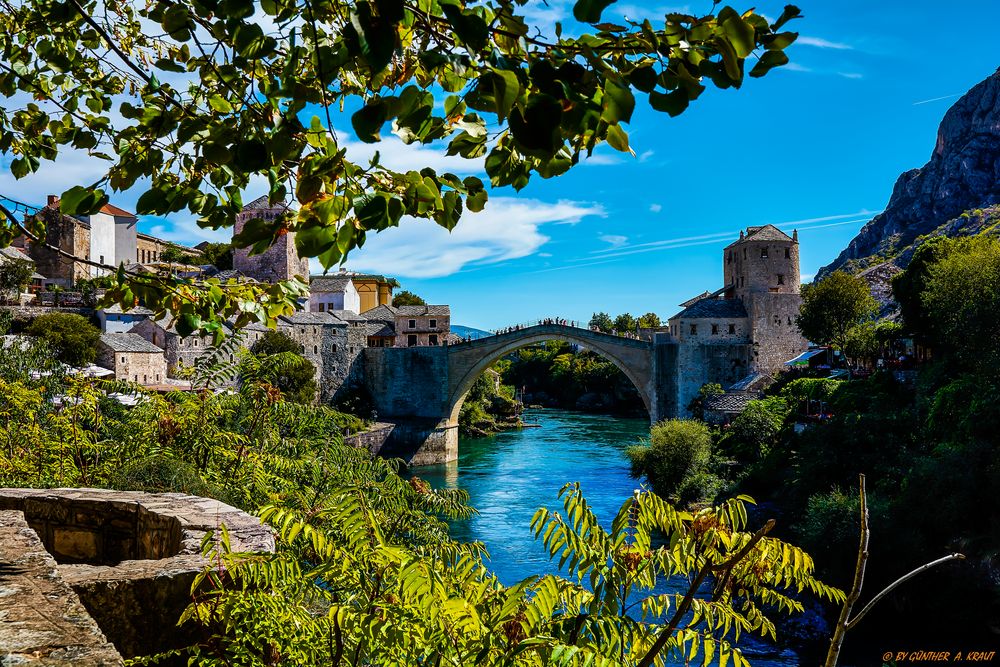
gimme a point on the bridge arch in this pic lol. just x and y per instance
(468, 360)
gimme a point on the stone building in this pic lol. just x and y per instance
(746, 327)
(70, 235)
(422, 325)
(114, 320)
(177, 350)
(335, 292)
(279, 262)
(381, 327)
(132, 358)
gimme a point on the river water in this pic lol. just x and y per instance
(510, 475)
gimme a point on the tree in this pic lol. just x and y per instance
(625, 323)
(187, 102)
(175, 255)
(219, 255)
(909, 285)
(834, 307)
(677, 460)
(294, 375)
(697, 405)
(601, 322)
(72, 338)
(961, 302)
(649, 321)
(15, 275)
(407, 298)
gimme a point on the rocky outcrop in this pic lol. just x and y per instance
(962, 175)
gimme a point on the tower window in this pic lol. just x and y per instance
(434, 324)
(781, 279)
(413, 324)
(763, 252)
(732, 328)
(694, 329)
(788, 253)
(715, 329)
(744, 253)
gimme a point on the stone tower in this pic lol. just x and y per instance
(279, 262)
(761, 269)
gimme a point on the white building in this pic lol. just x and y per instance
(112, 237)
(328, 293)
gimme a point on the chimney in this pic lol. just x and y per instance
(741, 235)
(795, 235)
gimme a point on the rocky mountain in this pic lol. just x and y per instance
(945, 196)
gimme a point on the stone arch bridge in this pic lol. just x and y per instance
(421, 389)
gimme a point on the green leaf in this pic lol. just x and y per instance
(589, 11)
(376, 36)
(79, 200)
(470, 27)
(506, 90)
(790, 12)
(618, 139)
(536, 129)
(251, 155)
(740, 34)
(367, 122)
(220, 104)
(769, 60)
(618, 102)
(674, 103)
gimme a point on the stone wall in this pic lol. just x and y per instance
(698, 365)
(42, 621)
(132, 557)
(776, 336)
(408, 382)
(141, 367)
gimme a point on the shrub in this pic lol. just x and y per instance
(677, 460)
(755, 432)
(72, 338)
(295, 376)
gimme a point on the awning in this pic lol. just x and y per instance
(803, 359)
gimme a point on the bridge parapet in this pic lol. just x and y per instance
(558, 331)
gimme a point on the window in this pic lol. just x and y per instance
(744, 253)
(694, 329)
(102, 259)
(315, 349)
(157, 377)
(781, 278)
(732, 328)
(411, 341)
(123, 360)
(788, 253)
(763, 252)
(144, 378)
(333, 348)
(413, 324)
(715, 329)
(432, 339)
(434, 324)
(322, 307)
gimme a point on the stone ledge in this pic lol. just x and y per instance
(132, 557)
(42, 621)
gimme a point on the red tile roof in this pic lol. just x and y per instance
(111, 209)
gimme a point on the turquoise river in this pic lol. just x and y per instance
(510, 475)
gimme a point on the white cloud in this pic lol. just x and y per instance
(655, 208)
(794, 67)
(615, 240)
(645, 155)
(851, 75)
(821, 43)
(509, 228)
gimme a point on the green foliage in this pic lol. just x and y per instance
(601, 322)
(559, 377)
(72, 338)
(625, 323)
(677, 461)
(650, 321)
(407, 298)
(909, 285)
(834, 307)
(755, 432)
(962, 301)
(197, 101)
(697, 405)
(489, 407)
(279, 357)
(177, 255)
(219, 255)
(15, 275)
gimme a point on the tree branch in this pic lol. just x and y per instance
(837, 640)
(888, 589)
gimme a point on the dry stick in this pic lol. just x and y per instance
(859, 577)
(888, 589)
(685, 605)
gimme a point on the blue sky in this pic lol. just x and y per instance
(815, 146)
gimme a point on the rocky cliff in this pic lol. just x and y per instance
(962, 175)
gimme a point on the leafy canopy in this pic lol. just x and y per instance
(188, 102)
(72, 338)
(407, 298)
(834, 307)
